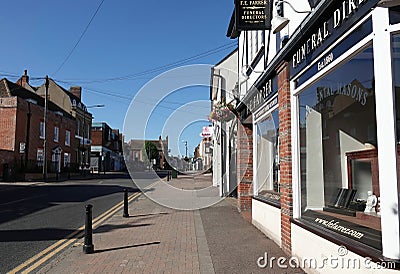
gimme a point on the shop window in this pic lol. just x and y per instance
(396, 80)
(267, 173)
(338, 151)
(394, 15)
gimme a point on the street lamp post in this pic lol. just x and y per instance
(186, 148)
(44, 129)
(186, 154)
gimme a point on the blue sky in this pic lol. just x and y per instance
(125, 38)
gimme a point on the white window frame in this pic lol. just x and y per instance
(41, 130)
(40, 159)
(296, 91)
(56, 134)
(380, 38)
(255, 147)
(67, 159)
(67, 138)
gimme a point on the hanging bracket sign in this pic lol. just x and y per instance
(253, 14)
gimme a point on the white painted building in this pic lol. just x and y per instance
(224, 79)
(319, 106)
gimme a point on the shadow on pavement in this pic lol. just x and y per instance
(125, 247)
(145, 215)
(107, 228)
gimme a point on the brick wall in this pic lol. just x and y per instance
(97, 137)
(14, 127)
(285, 155)
(8, 114)
(64, 123)
(6, 156)
(245, 166)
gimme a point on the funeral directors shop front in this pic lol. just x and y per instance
(344, 66)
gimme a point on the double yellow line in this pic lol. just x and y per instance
(52, 250)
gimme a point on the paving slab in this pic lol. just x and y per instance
(157, 239)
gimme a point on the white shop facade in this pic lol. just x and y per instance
(343, 84)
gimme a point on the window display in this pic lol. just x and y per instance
(396, 86)
(338, 149)
(267, 155)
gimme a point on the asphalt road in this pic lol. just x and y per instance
(33, 217)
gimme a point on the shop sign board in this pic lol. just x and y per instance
(360, 233)
(332, 25)
(258, 96)
(253, 14)
(207, 132)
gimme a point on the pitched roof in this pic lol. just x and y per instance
(9, 89)
(53, 84)
(4, 91)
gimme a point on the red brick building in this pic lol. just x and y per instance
(22, 132)
(106, 149)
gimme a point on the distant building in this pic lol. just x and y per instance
(134, 152)
(70, 101)
(203, 154)
(22, 132)
(106, 149)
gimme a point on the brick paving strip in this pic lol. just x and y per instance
(156, 239)
(205, 261)
(153, 239)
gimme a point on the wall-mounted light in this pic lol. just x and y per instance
(278, 22)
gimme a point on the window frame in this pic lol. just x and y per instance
(67, 138)
(42, 132)
(255, 146)
(56, 134)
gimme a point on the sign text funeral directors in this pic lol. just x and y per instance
(253, 14)
(347, 9)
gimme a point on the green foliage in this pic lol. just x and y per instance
(150, 150)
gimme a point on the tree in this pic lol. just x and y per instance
(150, 150)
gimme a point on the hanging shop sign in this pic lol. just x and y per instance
(253, 14)
(207, 132)
(332, 25)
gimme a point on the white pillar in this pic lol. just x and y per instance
(386, 133)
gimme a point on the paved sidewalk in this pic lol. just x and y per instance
(155, 239)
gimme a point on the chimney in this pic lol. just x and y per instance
(24, 79)
(77, 91)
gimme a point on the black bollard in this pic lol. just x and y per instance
(126, 214)
(88, 246)
(168, 175)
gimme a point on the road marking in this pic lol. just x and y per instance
(52, 250)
